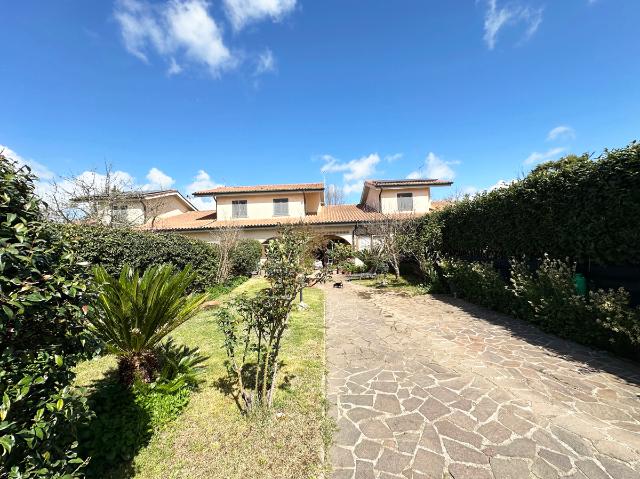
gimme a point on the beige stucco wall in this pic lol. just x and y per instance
(387, 202)
(135, 213)
(264, 234)
(372, 200)
(138, 214)
(166, 206)
(314, 202)
(421, 199)
(260, 206)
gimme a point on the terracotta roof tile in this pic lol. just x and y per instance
(206, 220)
(408, 182)
(439, 204)
(221, 190)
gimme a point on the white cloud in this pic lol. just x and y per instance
(548, 155)
(174, 68)
(244, 12)
(175, 28)
(511, 14)
(202, 181)
(501, 184)
(469, 190)
(561, 132)
(353, 170)
(393, 158)
(158, 180)
(349, 188)
(203, 204)
(266, 62)
(435, 168)
(41, 171)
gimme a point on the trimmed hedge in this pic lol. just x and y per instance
(574, 208)
(246, 257)
(113, 247)
(578, 209)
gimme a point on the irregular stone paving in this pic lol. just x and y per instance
(429, 387)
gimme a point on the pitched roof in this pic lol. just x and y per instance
(123, 194)
(439, 204)
(408, 182)
(207, 220)
(225, 190)
(133, 195)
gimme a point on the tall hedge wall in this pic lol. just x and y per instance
(575, 208)
(113, 247)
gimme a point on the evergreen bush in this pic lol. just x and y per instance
(42, 337)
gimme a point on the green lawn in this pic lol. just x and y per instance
(406, 284)
(211, 439)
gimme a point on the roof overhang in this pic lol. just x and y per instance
(255, 192)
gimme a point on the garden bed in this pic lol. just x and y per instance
(210, 437)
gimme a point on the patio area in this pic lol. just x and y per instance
(435, 387)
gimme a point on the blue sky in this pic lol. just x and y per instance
(189, 94)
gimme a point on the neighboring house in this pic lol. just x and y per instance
(133, 208)
(258, 211)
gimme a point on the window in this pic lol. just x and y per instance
(119, 214)
(405, 201)
(281, 207)
(239, 209)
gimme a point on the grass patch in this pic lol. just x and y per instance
(408, 284)
(210, 438)
(219, 290)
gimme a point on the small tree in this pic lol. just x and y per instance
(98, 197)
(340, 254)
(391, 240)
(227, 239)
(253, 327)
(425, 245)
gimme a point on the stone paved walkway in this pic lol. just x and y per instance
(430, 387)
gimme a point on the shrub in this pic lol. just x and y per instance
(42, 337)
(136, 312)
(112, 248)
(574, 208)
(546, 296)
(373, 261)
(245, 257)
(479, 283)
(253, 327)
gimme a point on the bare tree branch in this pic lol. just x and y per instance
(334, 195)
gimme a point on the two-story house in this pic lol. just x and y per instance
(258, 211)
(133, 208)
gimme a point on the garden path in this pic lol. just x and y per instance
(432, 387)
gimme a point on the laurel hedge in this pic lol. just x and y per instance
(114, 247)
(43, 296)
(577, 208)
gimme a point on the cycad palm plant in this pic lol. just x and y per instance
(136, 312)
